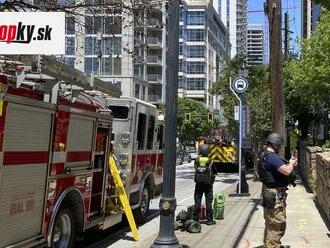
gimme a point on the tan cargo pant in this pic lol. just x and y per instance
(275, 218)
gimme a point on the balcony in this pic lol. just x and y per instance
(154, 42)
(154, 78)
(154, 60)
(154, 23)
(154, 99)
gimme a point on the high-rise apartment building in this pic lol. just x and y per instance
(204, 45)
(255, 45)
(121, 48)
(310, 15)
(234, 15)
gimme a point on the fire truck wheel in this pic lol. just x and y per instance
(63, 230)
(143, 209)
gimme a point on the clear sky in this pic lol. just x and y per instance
(292, 6)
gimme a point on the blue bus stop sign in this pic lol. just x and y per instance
(240, 85)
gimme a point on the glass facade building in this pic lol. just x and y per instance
(204, 45)
(120, 47)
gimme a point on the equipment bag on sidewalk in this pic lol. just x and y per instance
(218, 206)
(202, 212)
(193, 226)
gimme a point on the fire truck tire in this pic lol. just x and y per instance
(63, 230)
(142, 211)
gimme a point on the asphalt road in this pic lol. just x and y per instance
(119, 236)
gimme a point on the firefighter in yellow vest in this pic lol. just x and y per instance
(204, 179)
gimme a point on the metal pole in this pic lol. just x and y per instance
(243, 188)
(167, 204)
(240, 147)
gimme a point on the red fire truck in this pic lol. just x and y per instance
(54, 177)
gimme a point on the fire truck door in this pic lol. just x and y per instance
(99, 170)
(23, 174)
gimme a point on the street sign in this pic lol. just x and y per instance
(246, 126)
(240, 85)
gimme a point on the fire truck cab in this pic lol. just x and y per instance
(138, 133)
(54, 175)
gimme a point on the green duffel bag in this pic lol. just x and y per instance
(193, 226)
(218, 206)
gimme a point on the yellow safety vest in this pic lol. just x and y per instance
(203, 161)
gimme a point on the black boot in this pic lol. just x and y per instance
(211, 222)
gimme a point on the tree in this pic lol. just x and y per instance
(307, 81)
(258, 97)
(222, 88)
(324, 3)
(189, 131)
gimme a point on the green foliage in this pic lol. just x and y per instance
(307, 81)
(324, 3)
(258, 97)
(188, 132)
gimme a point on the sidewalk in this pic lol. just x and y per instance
(243, 225)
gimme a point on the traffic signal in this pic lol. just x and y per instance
(187, 117)
(210, 116)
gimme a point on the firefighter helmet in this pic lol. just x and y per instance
(275, 138)
(204, 150)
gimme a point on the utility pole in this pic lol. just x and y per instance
(167, 205)
(274, 10)
(286, 35)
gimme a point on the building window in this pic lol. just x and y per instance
(150, 137)
(160, 136)
(182, 15)
(70, 25)
(91, 65)
(195, 18)
(182, 34)
(117, 66)
(195, 51)
(90, 45)
(195, 35)
(195, 84)
(182, 82)
(182, 65)
(140, 137)
(137, 91)
(107, 66)
(70, 61)
(69, 46)
(195, 67)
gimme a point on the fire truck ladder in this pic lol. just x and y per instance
(48, 68)
(123, 197)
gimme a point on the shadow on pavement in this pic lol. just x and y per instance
(113, 234)
(185, 174)
(323, 216)
(256, 202)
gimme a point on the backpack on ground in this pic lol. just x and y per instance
(218, 206)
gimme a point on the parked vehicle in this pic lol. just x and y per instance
(182, 156)
(193, 155)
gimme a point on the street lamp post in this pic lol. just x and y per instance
(167, 205)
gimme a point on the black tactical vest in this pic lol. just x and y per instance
(271, 178)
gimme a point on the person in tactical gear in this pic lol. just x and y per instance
(204, 179)
(274, 174)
